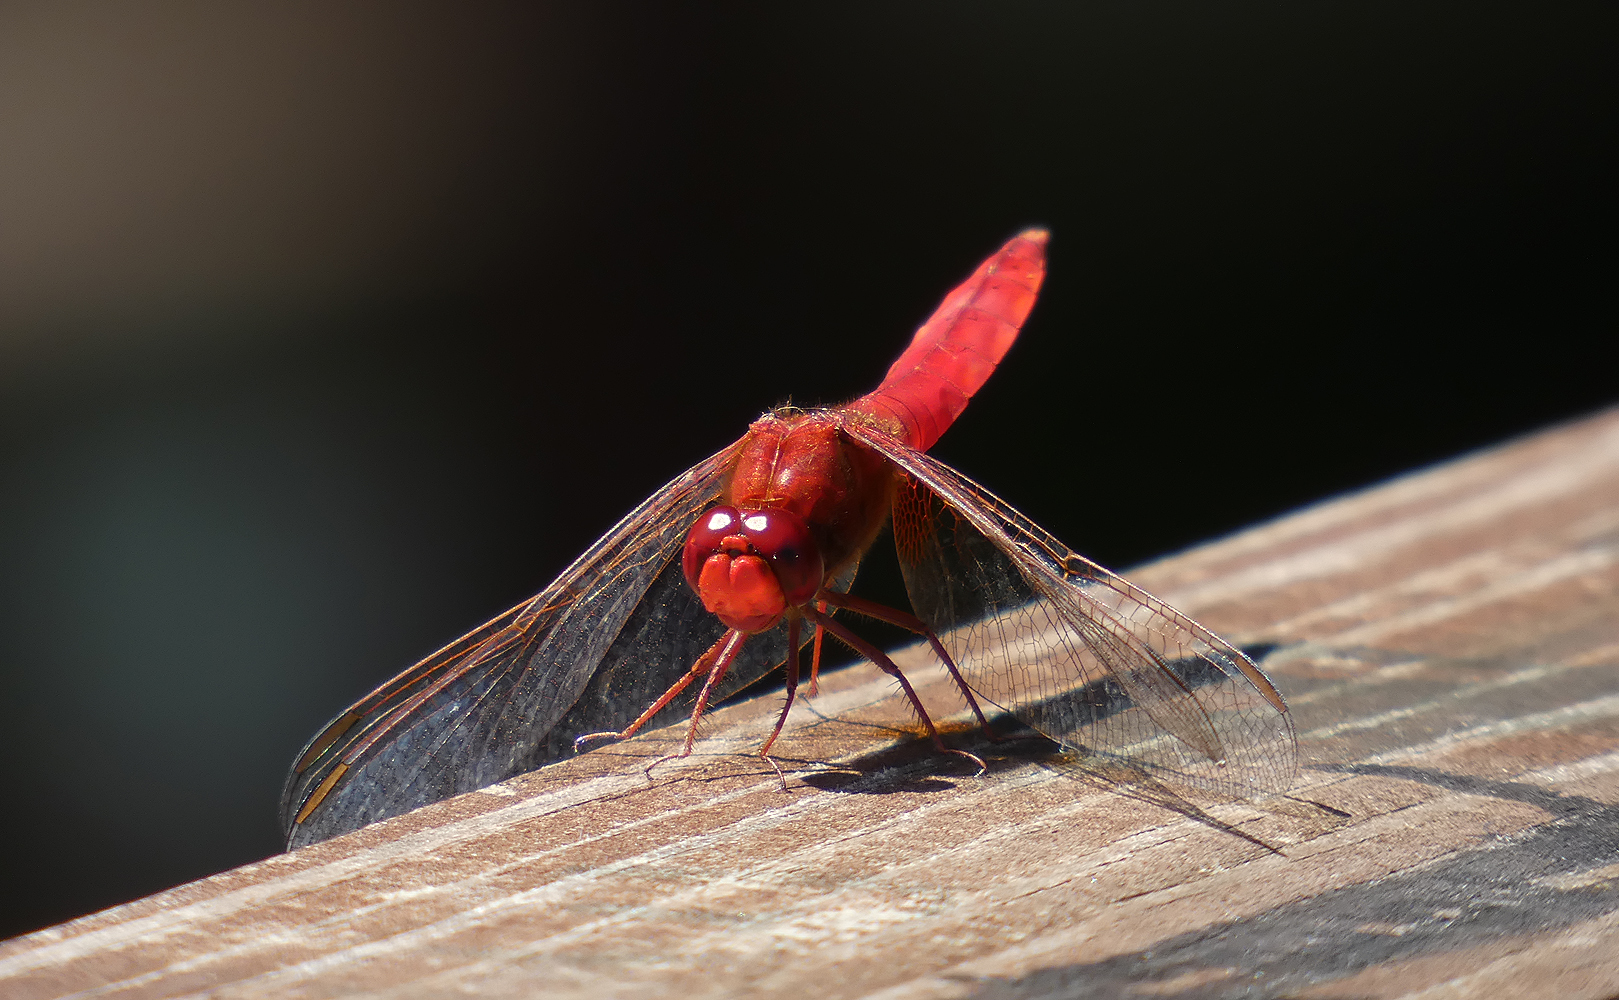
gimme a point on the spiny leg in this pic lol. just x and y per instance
(728, 648)
(815, 657)
(911, 623)
(792, 682)
(786, 706)
(704, 664)
(889, 667)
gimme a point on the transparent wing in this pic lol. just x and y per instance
(1074, 651)
(586, 654)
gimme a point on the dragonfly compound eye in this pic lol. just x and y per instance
(705, 539)
(782, 538)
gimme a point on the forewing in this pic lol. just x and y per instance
(587, 654)
(1074, 651)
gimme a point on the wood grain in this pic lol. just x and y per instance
(1449, 642)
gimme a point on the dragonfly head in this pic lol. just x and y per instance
(750, 566)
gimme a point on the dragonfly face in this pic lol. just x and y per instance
(749, 567)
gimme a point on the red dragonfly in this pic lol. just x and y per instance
(722, 575)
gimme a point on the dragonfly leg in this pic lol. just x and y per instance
(911, 623)
(891, 668)
(815, 657)
(792, 685)
(704, 664)
(727, 648)
(786, 706)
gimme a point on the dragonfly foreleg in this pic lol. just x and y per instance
(704, 664)
(727, 648)
(815, 658)
(792, 684)
(786, 705)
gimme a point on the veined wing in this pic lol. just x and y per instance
(586, 654)
(1073, 650)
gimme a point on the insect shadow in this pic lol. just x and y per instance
(912, 765)
(1009, 739)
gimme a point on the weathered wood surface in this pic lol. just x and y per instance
(1450, 645)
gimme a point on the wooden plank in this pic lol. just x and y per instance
(1450, 646)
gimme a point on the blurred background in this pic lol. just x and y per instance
(328, 331)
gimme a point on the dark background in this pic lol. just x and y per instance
(327, 332)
